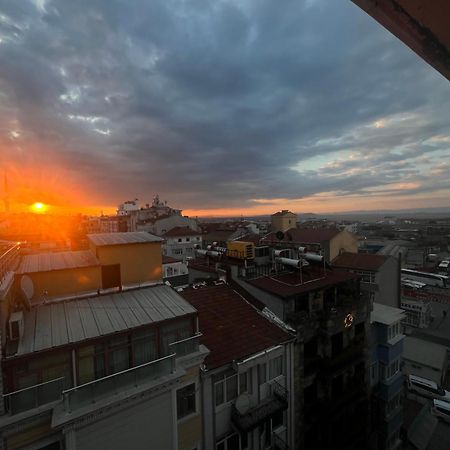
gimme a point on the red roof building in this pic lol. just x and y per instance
(232, 328)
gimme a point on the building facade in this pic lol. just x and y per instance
(247, 385)
(386, 378)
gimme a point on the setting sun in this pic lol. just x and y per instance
(38, 207)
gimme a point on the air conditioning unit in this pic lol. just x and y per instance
(16, 326)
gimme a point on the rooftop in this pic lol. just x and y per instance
(181, 231)
(363, 261)
(386, 315)
(170, 260)
(136, 237)
(288, 284)
(424, 352)
(53, 325)
(304, 235)
(284, 212)
(232, 329)
(45, 262)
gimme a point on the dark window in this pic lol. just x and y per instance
(111, 276)
(186, 401)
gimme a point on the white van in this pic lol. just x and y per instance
(441, 409)
(427, 388)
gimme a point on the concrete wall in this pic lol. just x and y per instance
(415, 368)
(138, 262)
(283, 223)
(147, 425)
(64, 282)
(388, 286)
(343, 241)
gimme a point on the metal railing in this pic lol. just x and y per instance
(105, 387)
(279, 443)
(33, 396)
(9, 261)
(186, 346)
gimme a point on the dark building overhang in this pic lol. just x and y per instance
(423, 25)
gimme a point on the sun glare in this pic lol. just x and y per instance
(38, 207)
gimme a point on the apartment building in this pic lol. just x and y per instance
(247, 378)
(386, 378)
(180, 243)
(114, 366)
(380, 275)
(112, 371)
(330, 315)
(175, 272)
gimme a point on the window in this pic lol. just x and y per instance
(174, 332)
(180, 240)
(393, 404)
(389, 371)
(144, 346)
(186, 401)
(225, 387)
(275, 367)
(188, 239)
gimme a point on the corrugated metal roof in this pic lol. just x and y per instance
(136, 237)
(56, 324)
(44, 262)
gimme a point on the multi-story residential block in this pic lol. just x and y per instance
(180, 243)
(329, 242)
(330, 315)
(386, 378)
(380, 275)
(247, 379)
(112, 371)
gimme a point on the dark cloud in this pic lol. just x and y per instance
(214, 104)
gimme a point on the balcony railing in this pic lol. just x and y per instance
(34, 396)
(273, 404)
(186, 346)
(278, 443)
(96, 390)
(9, 261)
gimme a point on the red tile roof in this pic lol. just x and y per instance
(304, 235)
(182, 231)
(232, 329)
(363, 261)
(289, 284)
(285, 212)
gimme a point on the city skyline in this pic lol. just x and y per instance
(235, 108)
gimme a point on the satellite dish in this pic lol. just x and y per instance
(280, 235)
(243, 404)
(27, 287)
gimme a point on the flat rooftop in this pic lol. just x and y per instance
(361, 261)
(136, 237)
(288, 284)
(45, 262)
(61, 323)
(386, 315)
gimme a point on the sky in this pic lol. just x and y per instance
(221, 107)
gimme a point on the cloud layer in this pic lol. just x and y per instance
(219, 104)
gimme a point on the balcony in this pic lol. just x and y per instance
(277, 401)
(278, 443)
(103, 388)
(186, 346)
(34, 396)
(9, 260)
